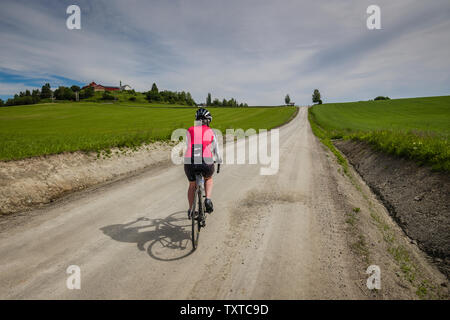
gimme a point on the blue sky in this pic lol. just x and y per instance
(253, 50)
(14, 82)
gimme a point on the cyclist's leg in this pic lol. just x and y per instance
(191, 193)
(190, 174)
(208, 172)
(208, 187)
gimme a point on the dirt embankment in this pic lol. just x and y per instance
(417, 198)
(25, 184)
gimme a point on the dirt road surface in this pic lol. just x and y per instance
(271, 237)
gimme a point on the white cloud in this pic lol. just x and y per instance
(8, 88)
(255, 51)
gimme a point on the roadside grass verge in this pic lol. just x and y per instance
(422, 145)
(425, 148)
(42, 129)
(417, 129)
(408, 267)
(325, 138)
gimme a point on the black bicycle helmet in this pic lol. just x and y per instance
(203, 114)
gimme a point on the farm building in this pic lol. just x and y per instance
(99, 87)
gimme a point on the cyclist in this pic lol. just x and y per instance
(202, 150)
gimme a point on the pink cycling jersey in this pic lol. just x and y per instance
(201, 144)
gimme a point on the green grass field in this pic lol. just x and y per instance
(416, 128)
(120, 96)
(40, 129)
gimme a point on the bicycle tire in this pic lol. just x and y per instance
(195, 224)
(201, 209)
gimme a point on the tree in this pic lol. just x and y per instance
(216, 102)
(208, 99)
(182, 97)
(316, 96)
(64, 93)
(36, 96)
(46, 91)
(107, 96)
(1, 103)
(168, 96)
(75, 88)
(224, 102)
(87, 93)
(189, 99)
(68, 94)
(59, 93)
(154, 94)
(287, 99)
(381, 98)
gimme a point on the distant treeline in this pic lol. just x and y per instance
(172, 97)
(69, 93)
(381, 98)
(224, 103)
(46, 93)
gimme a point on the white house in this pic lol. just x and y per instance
(125, 87)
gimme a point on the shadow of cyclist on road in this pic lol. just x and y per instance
(168, 239)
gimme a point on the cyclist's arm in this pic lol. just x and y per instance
(187, 138)
(216, 149)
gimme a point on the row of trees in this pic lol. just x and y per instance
(69, 93)
(24, 97)
(66, 93)
(224, 103)
(36, 96)
(167, 96)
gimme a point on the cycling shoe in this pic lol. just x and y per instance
(208, 205)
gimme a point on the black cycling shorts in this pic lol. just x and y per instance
(206, 170)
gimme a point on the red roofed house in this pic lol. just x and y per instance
(99, 87)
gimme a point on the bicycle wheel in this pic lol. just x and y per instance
(195, 224)
(201, 210)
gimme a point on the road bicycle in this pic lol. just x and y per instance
(197, 215)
